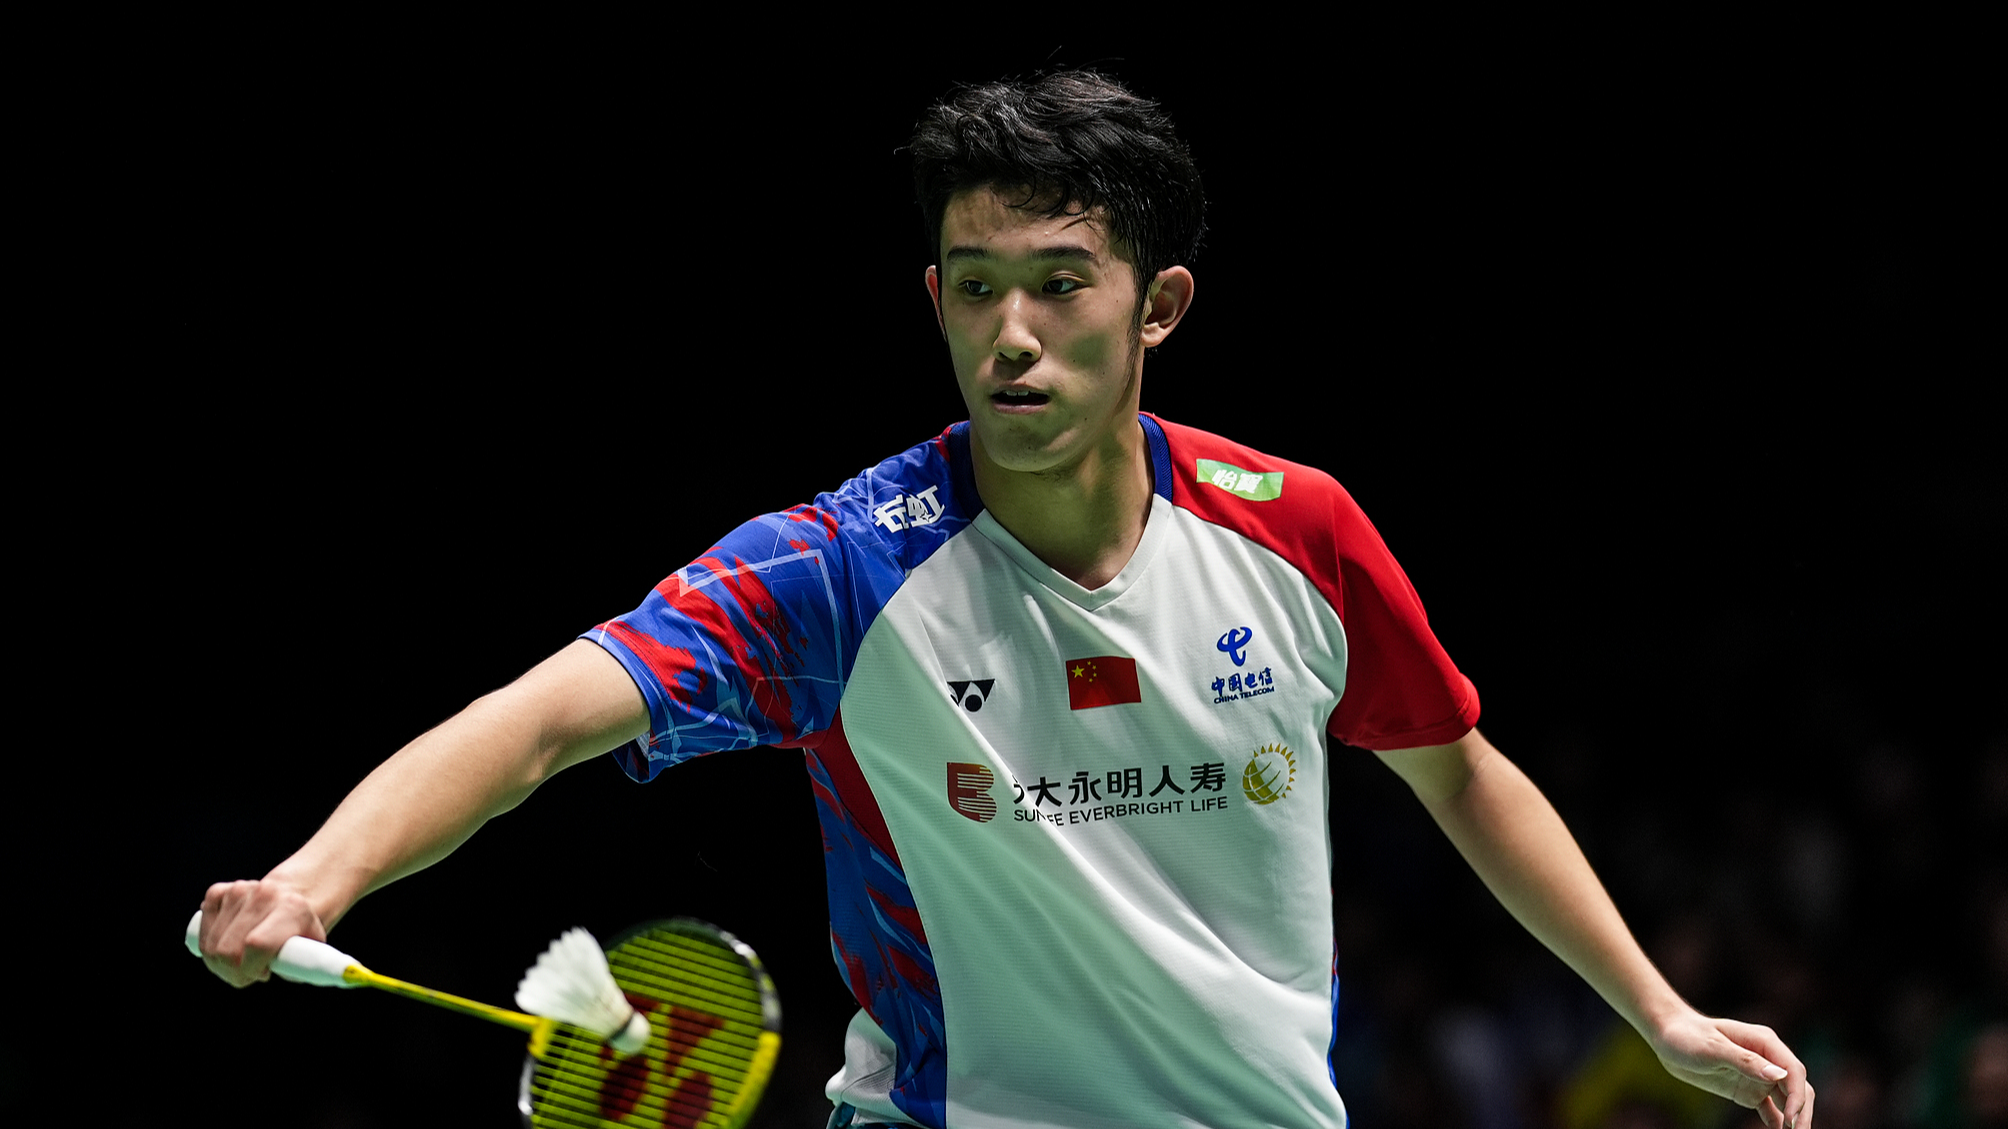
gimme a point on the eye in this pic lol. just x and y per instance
(1062, 285)
(973, 287)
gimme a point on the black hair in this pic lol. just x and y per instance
(1071, 142)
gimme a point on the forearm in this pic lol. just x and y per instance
(1512, 837)
(1518, 845)
(426, 800)
(415, 808)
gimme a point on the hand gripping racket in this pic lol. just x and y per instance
(714, 1030)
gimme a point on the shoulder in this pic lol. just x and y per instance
(1288, 506)
(755, 637)
(864, 537)
(903, 508)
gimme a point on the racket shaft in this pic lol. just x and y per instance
(357, 974)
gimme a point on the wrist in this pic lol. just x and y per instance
(306, 889)
(1661, 1016)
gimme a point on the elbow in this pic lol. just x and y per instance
(1442, 774)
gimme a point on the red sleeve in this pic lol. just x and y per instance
(1401, 689)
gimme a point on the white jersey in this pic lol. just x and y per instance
(1078, 841)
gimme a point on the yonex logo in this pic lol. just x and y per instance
(1234, 644)
(969, 791)
(971, 695)
(910, 510)
(645, 1084)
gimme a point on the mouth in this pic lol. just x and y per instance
(1018, 398)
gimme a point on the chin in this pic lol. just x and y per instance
(1020, 457)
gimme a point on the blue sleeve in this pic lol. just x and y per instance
(752, 643)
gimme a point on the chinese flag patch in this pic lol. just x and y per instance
(1106, 680)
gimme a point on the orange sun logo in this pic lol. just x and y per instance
(1270, 774)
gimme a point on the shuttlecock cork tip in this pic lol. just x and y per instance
(631, 1038)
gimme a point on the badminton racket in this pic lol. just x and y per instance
(714, 1030)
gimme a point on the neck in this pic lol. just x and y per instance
(1085, 520)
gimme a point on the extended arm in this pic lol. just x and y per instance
(1513, 838)
(423, 802)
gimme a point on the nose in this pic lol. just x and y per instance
(1016, 341)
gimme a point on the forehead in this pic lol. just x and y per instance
(983, 223)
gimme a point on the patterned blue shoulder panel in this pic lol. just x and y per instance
(752, 643)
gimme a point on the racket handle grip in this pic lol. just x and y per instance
(302, 960)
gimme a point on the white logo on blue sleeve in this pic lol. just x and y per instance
(910, 510)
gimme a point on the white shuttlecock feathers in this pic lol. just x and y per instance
(571, 983)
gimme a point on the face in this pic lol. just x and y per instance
(1045, 332)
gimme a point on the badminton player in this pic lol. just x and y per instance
(1067, 679)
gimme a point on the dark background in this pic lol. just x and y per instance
(1657, 369)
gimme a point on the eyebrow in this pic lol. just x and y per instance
(1071, 251)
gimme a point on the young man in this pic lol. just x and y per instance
(1063, 677)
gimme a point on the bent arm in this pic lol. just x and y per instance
(423, 802)
(1516, 842)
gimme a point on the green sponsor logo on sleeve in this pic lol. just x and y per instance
(1254, 485)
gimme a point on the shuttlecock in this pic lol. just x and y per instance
(571, 983)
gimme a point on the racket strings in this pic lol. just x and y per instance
(670, 1083)
(627, 1105)
(662, 972)
(712, 1037)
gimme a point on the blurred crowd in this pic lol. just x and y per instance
(1861, 910)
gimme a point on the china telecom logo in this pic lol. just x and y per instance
(1270, 774)
(1234, 644)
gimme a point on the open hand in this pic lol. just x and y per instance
(1744, 1062)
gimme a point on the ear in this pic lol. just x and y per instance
(1169, 297)
(934, 293)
